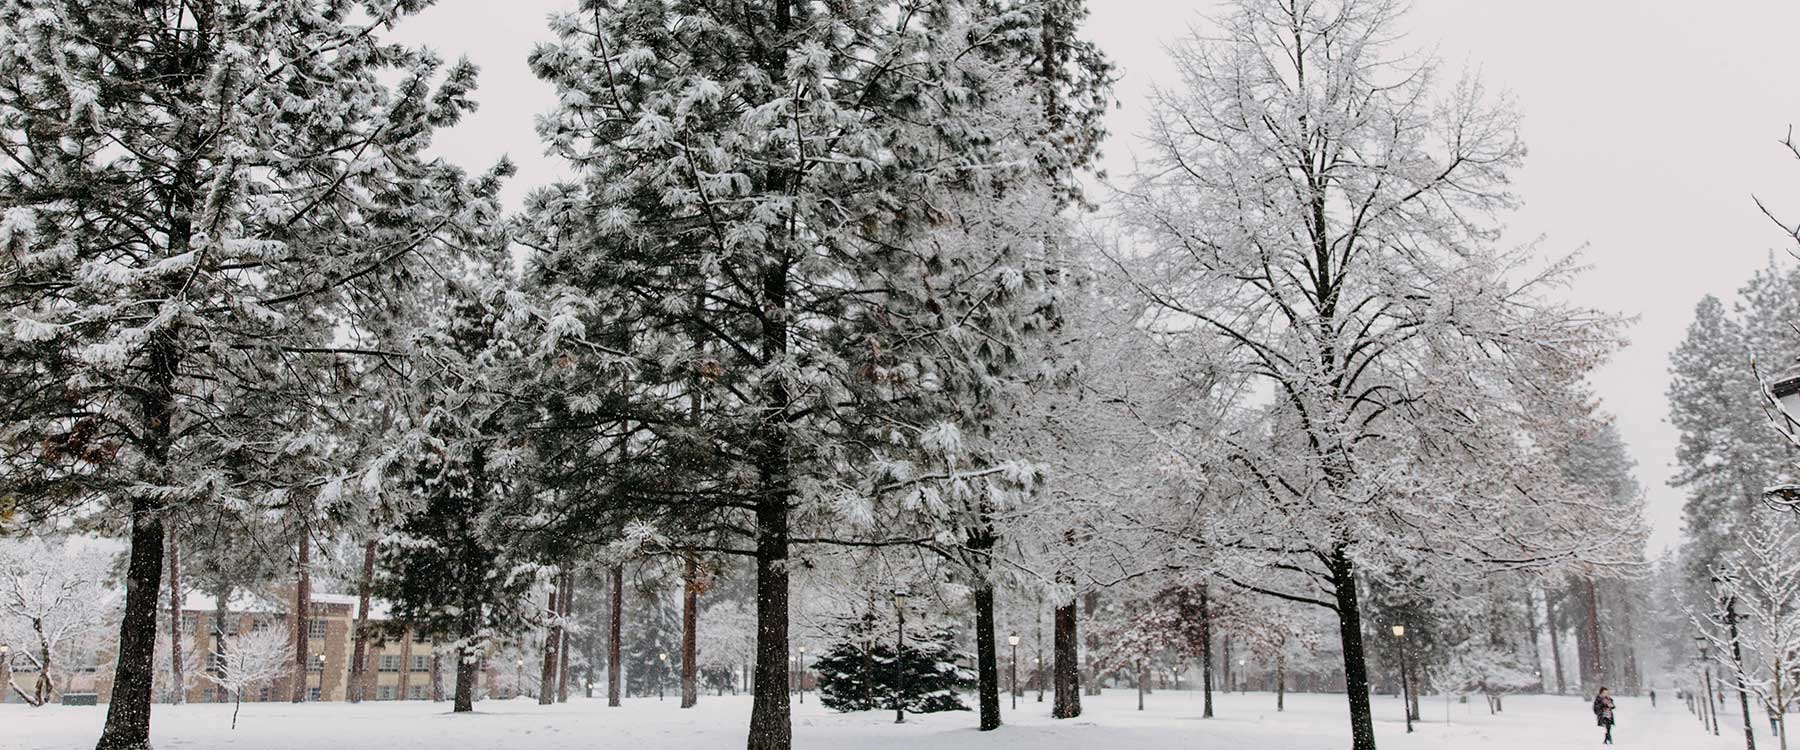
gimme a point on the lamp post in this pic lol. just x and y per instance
(518, 677)
(1737, 663)
(1786, 390)
(899, 662)
(1712, 706)
(1405, 684)
(1012, 667)
(664, 657)
(319, 666)
(1037, 668)
(5, 671)
(803, 675)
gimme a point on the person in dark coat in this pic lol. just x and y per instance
(1603, 712)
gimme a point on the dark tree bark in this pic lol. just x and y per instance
(1555, 641)
(437, 671)
(1066, 676)
(302, 612)
(1356, 671)
(178, 680)
(771, 727)
(562, 668)
(221, 606)
(613, 662)
(468, 664)
(987, 664)
(1206, 654)
(128, 715)
(1091, 605)
(406, 650)
(1280, 681)
(690, 594)
(359, 653)
(552, 644)
(1225, 664)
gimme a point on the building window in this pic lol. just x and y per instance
(190, 623)
(313, 665)
(384, 693)
(315, 627)
(420, 636)
(421, 663)
(415, 692)
(390, 663)
(312, 694)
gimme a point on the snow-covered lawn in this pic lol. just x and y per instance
(1171, 721)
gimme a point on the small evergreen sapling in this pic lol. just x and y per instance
(935, 671)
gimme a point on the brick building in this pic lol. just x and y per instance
(400, 666)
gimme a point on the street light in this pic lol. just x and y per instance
(899, 646)
(1037, 667)
(1013, 667)
(319, 664)
(519, 677)
(1405, 683)
(803, 675)
(1712, 706)
(1786, 390)
(664, 656)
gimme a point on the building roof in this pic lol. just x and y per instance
(247, 602)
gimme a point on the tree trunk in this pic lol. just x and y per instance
(552, 643)
(1555, 642)
(221, 608)
(302, 612)
(1091, 603)
(360, 647)
(690, 594)
(987, 662)
(1598, 647)
(1225, 664)
(1280, 681)
(134, 676)
(468, 664)
(1206, 654)
(1537, 654)
(177, 678)
(406, 651)
(1356, 673)
(771, 727)
(613, 662)
(562, 668)
(1141, 683)
(437, 671)
(1066, 675)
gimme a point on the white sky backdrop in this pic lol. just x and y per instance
(1651, 123)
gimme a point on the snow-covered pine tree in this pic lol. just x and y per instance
(932, 671)
(1367, 294)
(453, 569)
(748, 176)
(196, 193)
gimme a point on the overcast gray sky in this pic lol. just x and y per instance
(1651, 124)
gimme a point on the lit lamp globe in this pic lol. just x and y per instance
(1786, 390)
(1012, 640)
(1399, 631)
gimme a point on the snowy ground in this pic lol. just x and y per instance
(1110, 722)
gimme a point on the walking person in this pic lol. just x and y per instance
(1603, 712)
(1653, 697)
